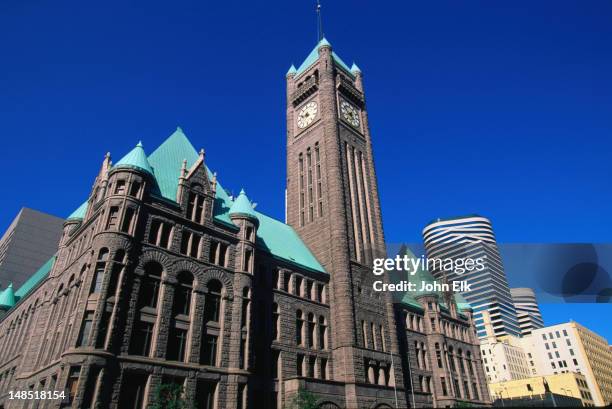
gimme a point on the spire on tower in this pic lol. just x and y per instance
(319, 22)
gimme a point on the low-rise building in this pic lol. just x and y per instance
(570, 347)
(570, 384)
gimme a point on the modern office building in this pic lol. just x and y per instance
(570, 347)
(472, 237)
(162, 278)
(503, 357)
(571, 384)
(527, 310)
(30, 240)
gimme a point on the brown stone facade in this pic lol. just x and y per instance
(147, 291)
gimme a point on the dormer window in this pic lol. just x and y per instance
(195, 207)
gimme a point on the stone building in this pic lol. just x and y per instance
(162, 277)
(439, 347)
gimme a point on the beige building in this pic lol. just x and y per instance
(570, 384)
(570, 347)
(503, 357)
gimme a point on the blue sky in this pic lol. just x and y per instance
(502, 109)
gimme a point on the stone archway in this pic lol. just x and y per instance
(328, 405)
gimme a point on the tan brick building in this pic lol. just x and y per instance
(162, 277)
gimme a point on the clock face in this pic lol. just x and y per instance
(307, 114)
(350, 113)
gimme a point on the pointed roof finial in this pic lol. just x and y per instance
(179, 129)
(202, 153)
(355, 69)
(319, 22)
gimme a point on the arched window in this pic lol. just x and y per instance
(311, 330)
(322, 333)
(151, 282)
(299, 326)
(182, 293)
(98, 278)
(364, 334)
(382, 339)
(212, 301)
(374, 335)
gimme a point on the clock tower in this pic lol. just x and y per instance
(333, 204)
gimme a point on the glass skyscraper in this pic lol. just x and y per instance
(472, 237)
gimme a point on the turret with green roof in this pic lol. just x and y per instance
(7, 298)
(135, 159)
(242, 207)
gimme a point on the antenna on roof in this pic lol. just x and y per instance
(319, 22)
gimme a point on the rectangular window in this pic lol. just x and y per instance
(126, 227)
(164, 238)
(209, 350)
(83, 339)
(300, 365)
(177, 344)
(312, 362)
(73, 382)
(195, 246)
(564, 333)
(323, 370)
(154, 233)
(191, 205)
(205, 394)
(133, 391)
(120, 187)
(309, 285)
(185, 242)
(199, 210)
(135, 189)
(141, 339)
(248, 256)
(113, 216)
(443, 382)
(222, 255)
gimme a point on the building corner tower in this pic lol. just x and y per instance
(332, 203)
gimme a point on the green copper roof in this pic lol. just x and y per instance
(36, 278)
(242, 206)
(420, 276)
(79, 212)
(291, 70)
(314, 56)
(136, 158)
(7, 297)
(273, 236)
(355, 68)
(461, 302)
(167, 160)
